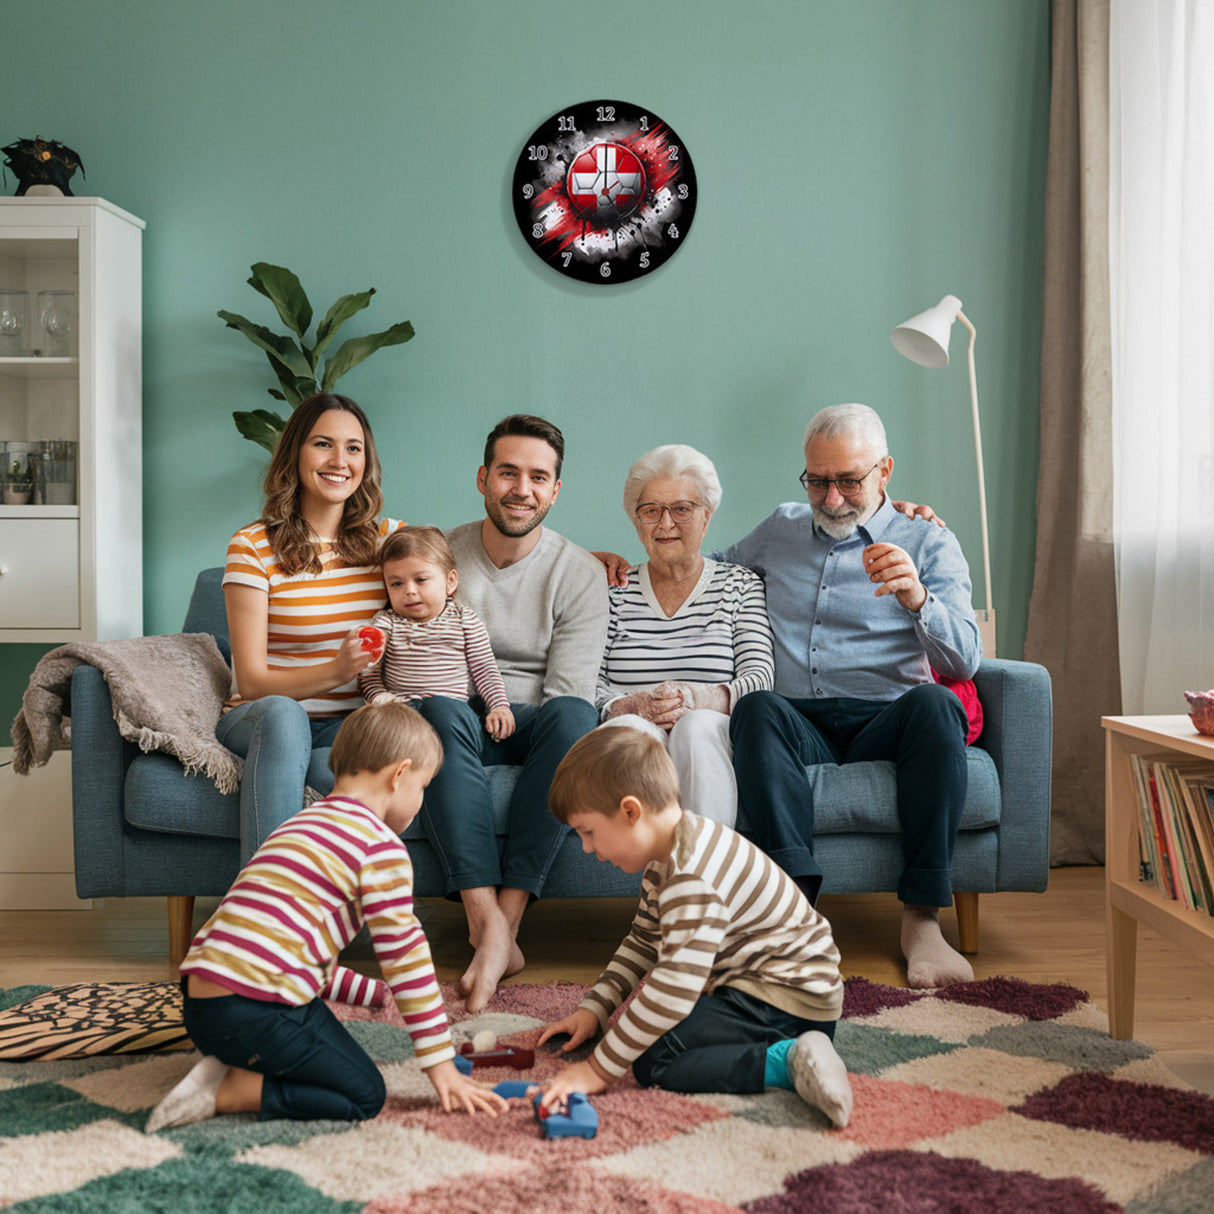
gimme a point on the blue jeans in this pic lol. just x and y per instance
(457, 812)
(283, 749)
(923, 731)
(312, 1067)
(721, 1045)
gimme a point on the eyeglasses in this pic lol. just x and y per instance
(847, 485)
(681, 513)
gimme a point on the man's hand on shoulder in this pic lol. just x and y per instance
(895, 573)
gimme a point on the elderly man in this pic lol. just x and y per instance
(864, 603)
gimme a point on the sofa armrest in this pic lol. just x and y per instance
(100, 757)
(1017, 732)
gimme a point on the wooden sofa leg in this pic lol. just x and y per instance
(181, 919)
(967, 921)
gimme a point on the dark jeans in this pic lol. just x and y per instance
(313, 1068)
(457, 813)
(721, 1045)
(922, 732)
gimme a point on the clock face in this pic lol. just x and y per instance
(604, 192)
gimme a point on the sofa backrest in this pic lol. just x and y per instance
(207, 613)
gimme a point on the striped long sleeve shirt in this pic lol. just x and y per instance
(309, 613)
(716, 912)
(435, 658)
(719, 635)
(302, 898)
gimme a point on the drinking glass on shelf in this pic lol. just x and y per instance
(14, 315)
(57, 318)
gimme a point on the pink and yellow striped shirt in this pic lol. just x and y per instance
(304, 895)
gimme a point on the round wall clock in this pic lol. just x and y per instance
(604, 191)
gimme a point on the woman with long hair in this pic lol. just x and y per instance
(298, 585)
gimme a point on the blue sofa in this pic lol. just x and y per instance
(142, 827)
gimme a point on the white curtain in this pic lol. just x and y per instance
(1161, 264)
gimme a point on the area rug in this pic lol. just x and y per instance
(992, 1096)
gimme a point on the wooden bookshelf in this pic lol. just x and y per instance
(1128, 900)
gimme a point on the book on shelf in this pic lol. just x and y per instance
(1175, 797)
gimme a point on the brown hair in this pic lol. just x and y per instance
(290, 537)
(525, 425)
(427, 542)
(607, 765)
(376, 736)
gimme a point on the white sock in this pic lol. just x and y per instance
(930, 960)
(193, 1099)
(819, 1076)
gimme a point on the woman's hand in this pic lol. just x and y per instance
(456, 1091)
(615, 565)
(662, 709)
(581, 1024)
(353, 657)
(499, 723)
(918, 510)
(697, 696)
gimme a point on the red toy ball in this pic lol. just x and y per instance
(372, 638)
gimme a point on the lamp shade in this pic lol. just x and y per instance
(924, 338)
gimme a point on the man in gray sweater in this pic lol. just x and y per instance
(544, 602)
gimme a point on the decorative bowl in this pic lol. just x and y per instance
(1201, 710)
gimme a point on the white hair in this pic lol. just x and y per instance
(673, 459)
(855, 421)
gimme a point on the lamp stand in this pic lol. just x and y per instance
(986, 619)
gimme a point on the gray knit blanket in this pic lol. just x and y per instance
(168, 693)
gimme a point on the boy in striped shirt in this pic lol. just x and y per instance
(257, 973)
(743, 987)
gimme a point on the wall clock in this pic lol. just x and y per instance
(604, 191)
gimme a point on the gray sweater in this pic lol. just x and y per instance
(546, 614)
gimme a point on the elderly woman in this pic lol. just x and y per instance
(687, 636)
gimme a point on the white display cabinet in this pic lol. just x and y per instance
(71, 558)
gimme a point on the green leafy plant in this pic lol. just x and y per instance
(294, 361)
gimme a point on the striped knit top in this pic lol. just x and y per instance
(302, 898)
(716, 912)
(435, 658)
(719, 635)
(310, 613)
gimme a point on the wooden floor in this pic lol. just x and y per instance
(1057, 936)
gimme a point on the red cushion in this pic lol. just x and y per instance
(968, 695)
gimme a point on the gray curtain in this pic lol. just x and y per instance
(1072, 625)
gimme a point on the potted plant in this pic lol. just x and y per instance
(294, 360)
(18, 484)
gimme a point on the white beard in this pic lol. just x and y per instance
(837, 528)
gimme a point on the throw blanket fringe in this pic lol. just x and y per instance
(167, 692)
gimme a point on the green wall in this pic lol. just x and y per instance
(855, 163)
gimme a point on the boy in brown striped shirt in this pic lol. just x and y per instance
(743, 988)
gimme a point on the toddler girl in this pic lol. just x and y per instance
(432, 644)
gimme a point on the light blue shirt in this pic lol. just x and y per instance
(833, 635)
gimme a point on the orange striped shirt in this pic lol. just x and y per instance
(310, 613)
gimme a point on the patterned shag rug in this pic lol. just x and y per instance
(988, 1097)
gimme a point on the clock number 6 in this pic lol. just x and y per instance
(605, 270)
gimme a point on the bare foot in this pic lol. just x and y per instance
(930, 960)
(497, 956)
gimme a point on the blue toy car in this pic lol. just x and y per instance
(579, 1120)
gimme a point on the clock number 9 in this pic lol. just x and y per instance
(529, 190)
(537, 151)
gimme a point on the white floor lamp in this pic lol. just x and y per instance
(924, 340)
